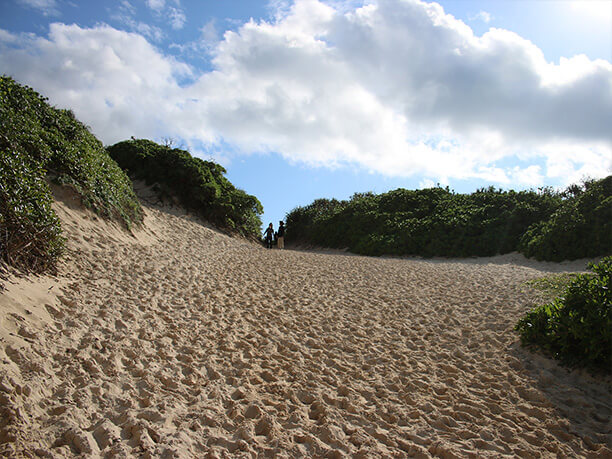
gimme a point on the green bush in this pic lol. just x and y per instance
(581, 227)
(38, 142)
(576, 328)
(436, 222)
(431, 222)
(30, 233)
(200, 185)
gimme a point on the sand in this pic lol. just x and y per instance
(179, 341)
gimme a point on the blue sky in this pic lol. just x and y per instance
(307, 99)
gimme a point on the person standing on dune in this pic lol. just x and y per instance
(281, 235)
(269, 235)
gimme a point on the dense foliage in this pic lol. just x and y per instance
(581, 226)
(200, 185)
(37, 142)
(576, 328)
(30, 232)
(430, 222)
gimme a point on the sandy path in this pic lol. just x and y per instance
(186, 343)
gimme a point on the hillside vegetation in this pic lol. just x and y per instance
(438, 222)
(580, 228)
(39, 142)
(200, 185)
(576, 327)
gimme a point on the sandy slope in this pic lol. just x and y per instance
(183, 342)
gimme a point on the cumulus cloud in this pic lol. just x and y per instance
(115, 81)
(395, 86)
(400, 87)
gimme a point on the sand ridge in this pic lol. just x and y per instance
(183, 342)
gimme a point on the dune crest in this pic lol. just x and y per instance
(182, 342)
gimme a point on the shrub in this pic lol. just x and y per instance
(581, 227)
(30, 232)
(200, 185)
(66, 149)
(38, 142)
(430, 222)
(304, 224)
(576, 328)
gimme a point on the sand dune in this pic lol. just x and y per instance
(182, 342)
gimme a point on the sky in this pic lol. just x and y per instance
(309, 99)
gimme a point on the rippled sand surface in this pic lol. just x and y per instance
(182, 342)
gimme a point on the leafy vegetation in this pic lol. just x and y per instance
(200, 185)
(576, 327)
(437, 222)
(30, 233)
(430, 222)
(38, 142)
(581, 227)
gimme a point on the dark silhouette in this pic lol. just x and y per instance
(281, 235)
(269, 235)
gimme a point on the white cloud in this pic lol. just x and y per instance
(571, 162)
(115, 81)
(7, 38)
(593, 10)
(397, 87)
(530, 176)
(46, 7)
(177, 18)
(426, 183)
(125, 15)
(481, 16)
(203, 46)
(149, 31)
(209, 34)
(125, 7)
(156, 5)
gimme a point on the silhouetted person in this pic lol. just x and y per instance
(281, 235)
(269, 235)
